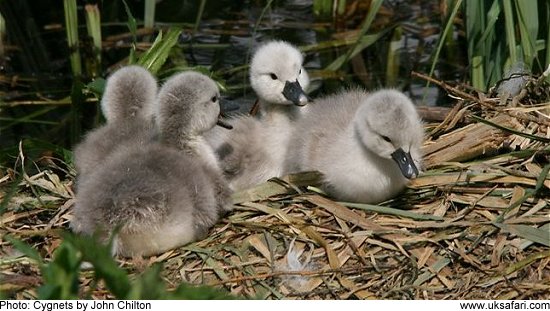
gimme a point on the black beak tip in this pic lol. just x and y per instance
(406, 163)
(294, 93)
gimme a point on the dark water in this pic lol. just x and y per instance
(228, 32)
(293, 20)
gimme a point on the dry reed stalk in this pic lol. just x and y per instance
(467, 143)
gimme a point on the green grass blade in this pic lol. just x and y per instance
(323, 8)
(105, 267)
(510, 27)
(29, 117)
(156, 56)
(25, 248)
(432, 271)
(475, 23)
(537, 235)
(34, 148)
(97, 86)
(71, 27)
(491, 20)
(60, 276)
(132, 26)
(199, 17)
(93, 25)
(528, 21)
(391, 211)
(341, 7)
(478, 73)
(149, 15)
(2, 34)
(362, 44)
(392, 64)
(373, 10)
(530, 136)
(448, 27)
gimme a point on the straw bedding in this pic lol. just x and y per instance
(475, 225)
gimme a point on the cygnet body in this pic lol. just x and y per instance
(367, 146)
(255, 149)
(167, 193)
(127, 105)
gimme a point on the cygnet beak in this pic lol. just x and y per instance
(226, 106)
(405, 163)
(293, 92)
(224, 124)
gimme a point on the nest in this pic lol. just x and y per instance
(475, 225)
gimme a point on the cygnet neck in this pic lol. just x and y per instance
(273, 112)
(181, 138)
(191, 143)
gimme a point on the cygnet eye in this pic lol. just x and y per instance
(214, 99)
(273, 76)
(300, 72)
(386, 138)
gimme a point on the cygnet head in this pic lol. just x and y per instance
(129, 92)
(188, 105)
(388, 125)
(277, 74)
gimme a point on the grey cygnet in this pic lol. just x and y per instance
(167, 193)
(127, 104)
(367, 145)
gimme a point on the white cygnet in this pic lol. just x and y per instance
(166, 193)
(254, 151)
(127, 104)
(278, 77)
(367, 145)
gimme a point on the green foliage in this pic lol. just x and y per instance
(71, 25)
(61, 275)
(445, 34)
(93, 26)
(132, 26)
(34, 148)
(156, 56)
(360, 44)
(97, 86)
(323, 8)
(393, 61)
(490, 52)
(149, 16)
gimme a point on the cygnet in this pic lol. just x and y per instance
(167, 193)
(255, 149)
(127, 104)
(367, 146)
(278, 77)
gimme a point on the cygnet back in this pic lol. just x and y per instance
(164, 194)
(127, 104)
(366, 145)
